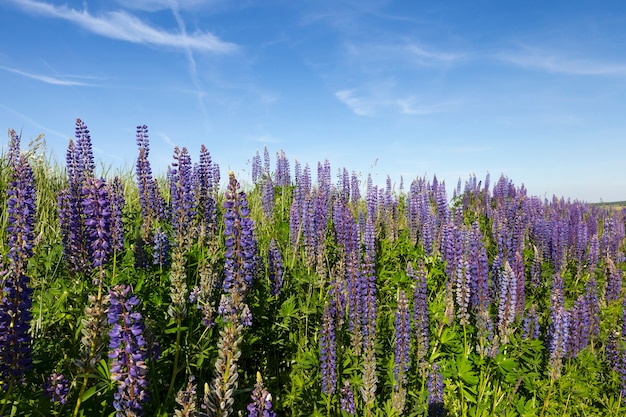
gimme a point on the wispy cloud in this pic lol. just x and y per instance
(157, 5)
(45, 78)
(167, 139)
(35, 123)
(126, 27)
(359, 105)
(370, 105)
(403, 52)
(426, 55)
(266, 139)
(410, 106)
(539, 59)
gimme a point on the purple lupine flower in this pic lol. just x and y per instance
(613, 281)
(435, 392)
(354, 188)
(71, 218)
(206, 195)
(15, 317)
(275, 267)
(182, 197)
(128, 352)
(15, 293)
(143, 171)
(368, 286)
(520, 290)
(593, 253)
(403, 336)
(420, 311)
(507, 302)
(160, 248)
(328, 352)
(97, 210)
(371, 199)
(116, 193)
(591, 295)
(578, 326)
(479, 270)
(150, 199)
(412, 211)
(266, 162)
(463, 277)
(282, 174)
(346, 400)
(256, 167)
(56, 387)
(558, 330)
(267, 202)
(84, 147)
(21, 199)
(535, 269)
(531, 324)
(261, 405)
(240, 245)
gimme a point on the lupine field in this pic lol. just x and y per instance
(303, 290)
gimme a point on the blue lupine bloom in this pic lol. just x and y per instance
(435, 392)
(558, 331)
(15, 293)
(240, 245)
(283, 174)
(116, 193)
(531, 324)
(420, 310)
(403, 337)
(128, 352)
(507, 302)
(98, 217)
(347, 398)
(56, 387)
(205, 194)
(182, 197)
(261, 405)
(161, 248)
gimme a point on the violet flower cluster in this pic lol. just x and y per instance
(346, 400)
(240, 252)
(79, 168)
(128, 352)
(182, 196)
(261, 405)
(15, 292)
(435, 392)
(420, 312)
(206, 184)
(56, 387)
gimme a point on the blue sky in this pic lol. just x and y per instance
(530, 89)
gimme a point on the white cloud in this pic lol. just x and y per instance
(45, 78)
(359, 105)
(403, 52)
(157, 5)
(266, 139)
(126, 27)
(371, 104)
(409, 106)
(536, 58)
